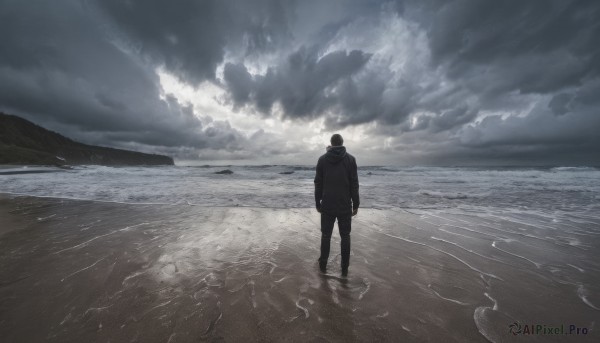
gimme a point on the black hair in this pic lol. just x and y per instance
(337, 140)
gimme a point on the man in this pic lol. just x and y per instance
(336, 196)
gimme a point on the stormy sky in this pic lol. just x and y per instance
(465, 82)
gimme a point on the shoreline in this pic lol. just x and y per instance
(72, 270)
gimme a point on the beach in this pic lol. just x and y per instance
(99, 271)
(164, 166)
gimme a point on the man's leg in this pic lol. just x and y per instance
(345, 226)
(327, 223)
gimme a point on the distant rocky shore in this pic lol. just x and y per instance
(23, 142)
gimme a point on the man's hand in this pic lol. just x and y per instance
(354, 212)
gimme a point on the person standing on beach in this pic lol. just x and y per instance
(336, 196)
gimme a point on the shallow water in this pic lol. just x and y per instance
(86, 270)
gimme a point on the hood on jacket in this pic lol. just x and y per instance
(335, 153)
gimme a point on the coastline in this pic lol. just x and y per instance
(74, 270)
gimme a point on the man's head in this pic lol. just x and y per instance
(337, 140)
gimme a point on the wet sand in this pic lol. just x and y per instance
(73, 271)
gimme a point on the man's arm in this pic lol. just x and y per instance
(319, 185)
(354, 187)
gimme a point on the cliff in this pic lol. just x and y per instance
(23, 142)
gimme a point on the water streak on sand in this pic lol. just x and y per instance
(334, 295)
(448, 299)
(581, 270)
(513, 220)
(455, 233)
(302, 308)
(66, 318)
(538, 265)
(273, 266)
(482, 320)
(368, 286)
(464, 228)
(95, 309)
(84, 243)
(157, 306)
(82, 269)
(467, 250)
(47, 217)
(100, 236)
(283, 278)
(383, 315)
(212, 325)
(583, 295)
(132, 275)
(252, 293)
(479, 316)
(495, 308)
(449, 254)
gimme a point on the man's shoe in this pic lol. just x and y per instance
(322, 266)
(344, 272)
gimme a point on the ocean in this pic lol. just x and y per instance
(548, 190)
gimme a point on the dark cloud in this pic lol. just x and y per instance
(190, 37)
(300, 85)
(460, 80)
(500, 50)
(240, 83)
(452, 118)
(360, 100)
(58, 69)
(531, 46)
(560, 103)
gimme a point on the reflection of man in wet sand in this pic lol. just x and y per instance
(336, 196)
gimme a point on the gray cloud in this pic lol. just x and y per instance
(452, 118)
(190, 38)
(560, 103)
(499, 51)
(59, 70)
(444, 81)
(240, 83)
(300, 84)
(529, 46)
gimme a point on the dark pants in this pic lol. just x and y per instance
(344, 224)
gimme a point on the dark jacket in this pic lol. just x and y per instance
(336, 182)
